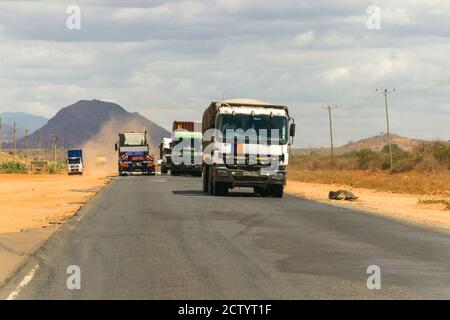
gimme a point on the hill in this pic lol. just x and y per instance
(374, 143)
(83, 121)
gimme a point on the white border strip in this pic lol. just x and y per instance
(23, 284)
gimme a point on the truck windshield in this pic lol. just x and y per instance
(262, 124)
(74, 161)
(132, 139)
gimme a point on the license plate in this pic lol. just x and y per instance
(250, 173)
(267, 172)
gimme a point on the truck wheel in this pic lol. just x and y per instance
(261, 191)
(220, 189)
(163, 169)
(205, 179)
(276, 191)
(210, 180)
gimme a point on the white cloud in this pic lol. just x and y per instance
(168, 59)
(336, 74)
(303, 39)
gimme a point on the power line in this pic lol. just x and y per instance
(14, 139)
(442, 85)
(363, 101)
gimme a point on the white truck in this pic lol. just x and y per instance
(75, 161)
(246, 143)
(165, 151)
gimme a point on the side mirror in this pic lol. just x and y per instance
(115, 147)
(292, 130)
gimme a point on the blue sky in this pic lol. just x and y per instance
(168, 59)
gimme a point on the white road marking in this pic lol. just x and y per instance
(23, 284)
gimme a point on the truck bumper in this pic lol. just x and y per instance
(242, 178)
(187, 168)
(137, 168)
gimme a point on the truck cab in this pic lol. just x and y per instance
(165, 151)
(246, 144)
(186, 156)
(133, 154)
(75, 161)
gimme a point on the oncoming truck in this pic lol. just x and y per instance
(75, 161)
(165, 150)
(133, 154)
(246, 144)
(186, 154)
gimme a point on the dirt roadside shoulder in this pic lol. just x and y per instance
(404, 207)
(32, 208)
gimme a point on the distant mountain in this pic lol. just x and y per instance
(23, 120)
(377, 143)
(94, 120)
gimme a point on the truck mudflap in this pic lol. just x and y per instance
(129, 167)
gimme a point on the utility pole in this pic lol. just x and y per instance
(26, 146)
(40, 146)
(329, 108)
(53, 148)
(1, 141)
(14, 140)
(386, 92)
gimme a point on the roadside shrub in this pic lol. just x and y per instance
(13, 167)
(441, 153)
(55, 168)
(426, 157)
(368, 159)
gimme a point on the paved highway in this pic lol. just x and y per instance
(162, 238)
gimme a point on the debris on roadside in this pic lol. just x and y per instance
(341, 195)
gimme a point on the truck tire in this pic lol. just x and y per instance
(276, 191)
(163, 168)
(210, 180)
(205, 179)
(260, 191)
(219, 189)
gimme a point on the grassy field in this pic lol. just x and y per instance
(411, 182)
(425, 170)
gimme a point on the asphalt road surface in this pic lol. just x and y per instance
(162, 238)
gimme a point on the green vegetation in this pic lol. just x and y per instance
(58, 167)
(13, 167)
(434, 201)
(431, 157)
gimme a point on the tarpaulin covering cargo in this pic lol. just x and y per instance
(209, 116)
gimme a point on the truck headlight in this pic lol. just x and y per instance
(278, 176)
(222, 172)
